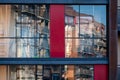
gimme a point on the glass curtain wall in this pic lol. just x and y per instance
(26, 31)
(85, 31)
(51, 72)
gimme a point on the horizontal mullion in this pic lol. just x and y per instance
(22, 37)
(84, 37)
(57, 1)
(49, 37)
(47, 61)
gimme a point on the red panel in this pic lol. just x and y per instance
(57, 41)
(100, 72)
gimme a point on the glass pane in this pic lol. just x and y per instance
(32, 20)
(24, 20)
(100, 48)
(34, 48)
(24, 48)
(7, 26)
(71, 20)
(24, 31)
(51, 72)
(85, 48)
(93, 20)
(7, 48)
(23, 72)
(85, 31)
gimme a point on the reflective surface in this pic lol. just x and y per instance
(51, 72)
(85, 31)
(24, 31)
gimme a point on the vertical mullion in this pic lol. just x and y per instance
(16, 34)
(79, 21)
(36, 72)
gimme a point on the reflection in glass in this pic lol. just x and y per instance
(7, 48)
(34, 48)
(51, 72)
(25, 48)
(7, 26)
(28, 28)
(85, 27)
(100, 47)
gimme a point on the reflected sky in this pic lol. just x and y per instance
(98, 11)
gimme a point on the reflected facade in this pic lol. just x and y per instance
(51, 72)
(85, 31)
(24, 31)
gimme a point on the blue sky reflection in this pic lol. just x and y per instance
(98, 11)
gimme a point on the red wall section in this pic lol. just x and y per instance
(57, 41)
(100, 72)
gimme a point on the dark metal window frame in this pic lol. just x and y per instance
(54, 1)
(46, 61)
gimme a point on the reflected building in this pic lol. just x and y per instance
(25, 29)
(51, 72)
(25, 32)
(85, 37)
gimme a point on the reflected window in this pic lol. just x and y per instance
(51, 72)
(32, 22)
(27, 27)
(85, 36)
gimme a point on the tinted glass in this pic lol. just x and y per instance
(85, 31)
(27, 29)
(51, 72)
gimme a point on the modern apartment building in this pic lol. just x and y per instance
(58, 40)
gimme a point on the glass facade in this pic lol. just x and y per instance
(51, 72)
(57, 40)
(85, 31)
(25, 29)
(25, 32)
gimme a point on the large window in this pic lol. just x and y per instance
(51, 72)
(85, 31)
(24, 31)
(54, 42)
